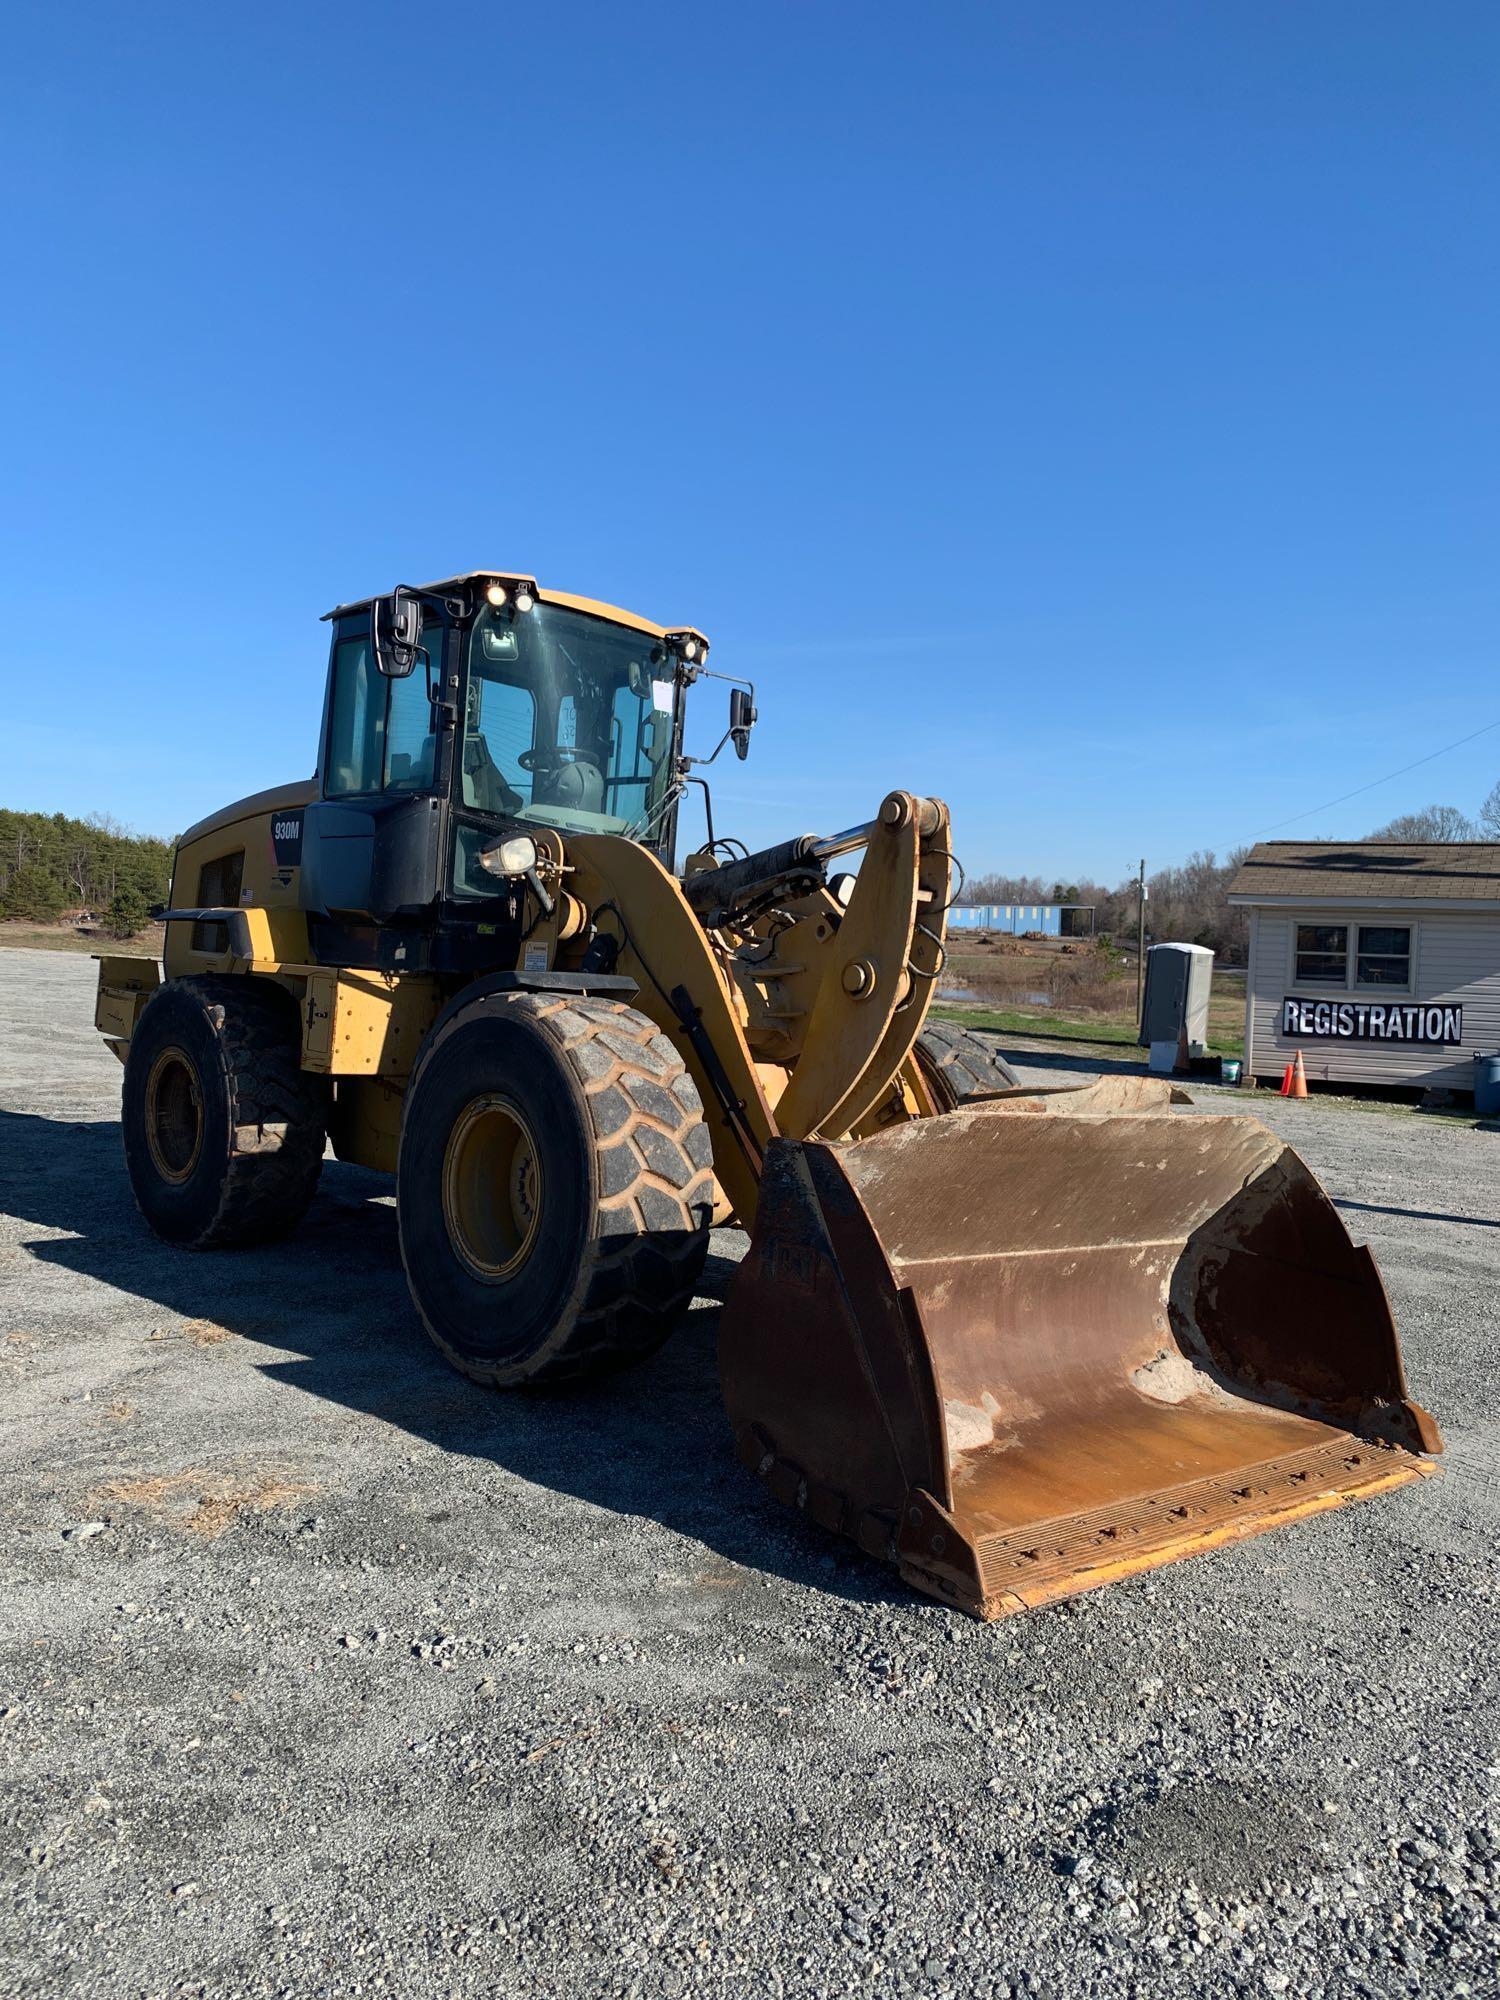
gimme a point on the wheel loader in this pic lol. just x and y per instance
(1016, 1342)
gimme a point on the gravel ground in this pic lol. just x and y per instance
(324, 1673)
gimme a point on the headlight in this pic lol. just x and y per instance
(515, 855)
(496, 594)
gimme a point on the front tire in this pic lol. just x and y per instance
(958, 1065)
(554, 1188)
(224, 1132)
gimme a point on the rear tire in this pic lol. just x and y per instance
(224, 1132)
(554, 1188)
(958, 1065)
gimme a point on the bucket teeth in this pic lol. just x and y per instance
(1062, 1558)
(1025, 1356)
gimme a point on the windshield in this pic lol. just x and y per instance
(568, 721)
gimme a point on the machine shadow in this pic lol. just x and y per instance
(331, 1301)
(1030, 1058)
(1417, 1214)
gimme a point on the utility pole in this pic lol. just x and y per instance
(1140, 961)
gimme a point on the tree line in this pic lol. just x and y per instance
(1446, 822)
(52, 866)
(1190, 903)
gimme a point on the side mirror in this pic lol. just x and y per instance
(741, 721)
(396, 631)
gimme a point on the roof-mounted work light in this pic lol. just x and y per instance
(519, 591)
(690, 647)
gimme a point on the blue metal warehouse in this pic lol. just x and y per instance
(1015, 919)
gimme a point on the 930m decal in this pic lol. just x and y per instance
(286, 838)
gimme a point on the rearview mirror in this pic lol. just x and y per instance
(396, 631)
(741, 721)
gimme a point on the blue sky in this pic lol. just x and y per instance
(1086, 412)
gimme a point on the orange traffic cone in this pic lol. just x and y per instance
(1299, 1078)
(1286, 1080)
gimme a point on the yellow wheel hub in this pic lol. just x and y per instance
(492, 1188)
(174, 1116)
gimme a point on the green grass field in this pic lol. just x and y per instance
(1112, 1027)
(64, 937)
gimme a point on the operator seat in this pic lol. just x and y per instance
(484, 786)
(579, 786)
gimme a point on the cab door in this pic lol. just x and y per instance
(372, 840)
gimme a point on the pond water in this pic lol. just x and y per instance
(998, 998)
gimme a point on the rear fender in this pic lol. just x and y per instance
(125, 985)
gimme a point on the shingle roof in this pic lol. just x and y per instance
(1377, 870)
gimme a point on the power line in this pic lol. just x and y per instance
(1374, 782)
(1358, 792)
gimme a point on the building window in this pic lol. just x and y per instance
(1384, 955)
(1323, 954)
(1380, 955)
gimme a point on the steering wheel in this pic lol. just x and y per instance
(541, 760)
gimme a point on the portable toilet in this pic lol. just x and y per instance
(1174, 1011)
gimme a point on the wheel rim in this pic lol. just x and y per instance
(174, 1116)
(492, 1189)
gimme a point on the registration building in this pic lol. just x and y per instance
(1378, 959)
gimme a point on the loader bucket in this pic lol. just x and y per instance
(1022, 1356)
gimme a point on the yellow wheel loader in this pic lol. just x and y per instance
(1017, 1342)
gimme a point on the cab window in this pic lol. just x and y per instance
(380, 736)
(568, 721)
(501, 731)
(640, 735)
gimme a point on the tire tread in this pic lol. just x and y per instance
(646, 1254)
(277, 1126)
(639, 1288)
(963, 1064)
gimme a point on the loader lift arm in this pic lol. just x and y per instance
(853, 983)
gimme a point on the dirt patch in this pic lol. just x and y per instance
(205, 1333)
(1226, 1837)
(196, 1332)
(201, 1502)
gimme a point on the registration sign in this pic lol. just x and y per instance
(1370, 1021)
